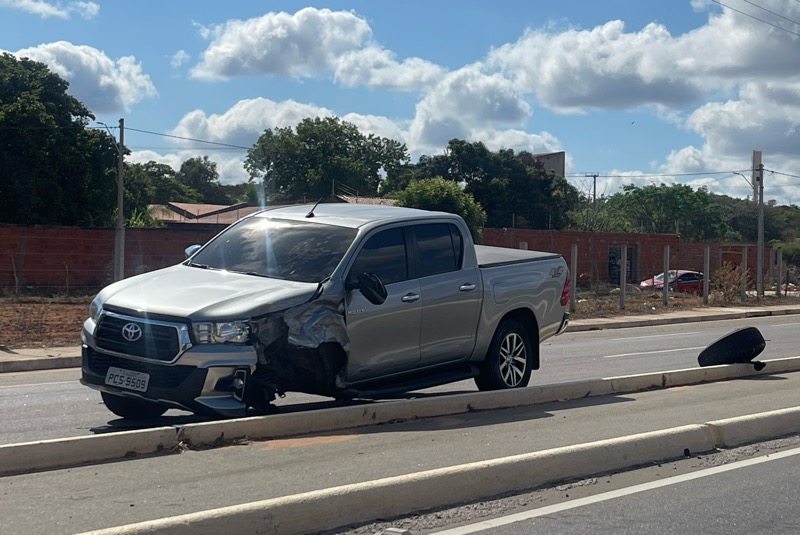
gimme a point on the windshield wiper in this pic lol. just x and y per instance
(201, 266)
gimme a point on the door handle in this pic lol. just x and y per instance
(467, 287)
(409, 298)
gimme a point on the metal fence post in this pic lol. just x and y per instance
(623, 277)
(665, 289)
(573, 262)
(706, 267)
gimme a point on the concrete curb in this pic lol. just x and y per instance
(40, 363)
(444, 487)
(61, 453)
(667, 319)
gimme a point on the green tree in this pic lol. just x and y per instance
(444, 196)
(322, 156)
(671, 209)
(200, 174)
(514, 189)
(596, 216)
(54, 169)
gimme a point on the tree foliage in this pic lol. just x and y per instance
(200, 175)
(320, 157)
(54, 169)
(514, 189)
(444, 196)
(671, 209)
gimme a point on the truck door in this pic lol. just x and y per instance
(451, 294)
(383, 338)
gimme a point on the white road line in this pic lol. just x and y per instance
(39, 384)
(786, 325)
(589, 500)
(653, 336)
(654, 352)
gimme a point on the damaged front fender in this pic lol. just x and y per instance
(302, 349)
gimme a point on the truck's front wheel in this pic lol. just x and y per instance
(135, 409)
(508, 362)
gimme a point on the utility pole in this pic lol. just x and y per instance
(759, 183)
(119, 231)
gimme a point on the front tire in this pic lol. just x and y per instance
(134, 409)
(509, 359)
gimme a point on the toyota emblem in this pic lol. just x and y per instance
(131, 332)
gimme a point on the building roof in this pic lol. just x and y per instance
(220, 214)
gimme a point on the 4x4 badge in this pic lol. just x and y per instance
(131, 332)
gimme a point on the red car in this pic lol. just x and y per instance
(680, 280)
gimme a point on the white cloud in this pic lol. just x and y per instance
(44, 9)
(377, 67)
(244, 122)
(303, 44)
(102, 84)
(602, 67)
(462, 104)
(87, 10)
(310, 43)
(179, 58)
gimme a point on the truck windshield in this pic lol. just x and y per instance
(293, 250)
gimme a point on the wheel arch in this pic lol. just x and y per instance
(527, 319)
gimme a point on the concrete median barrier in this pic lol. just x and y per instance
(64, 452)
(403, 495)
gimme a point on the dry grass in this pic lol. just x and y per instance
(591, 305)
(57, 321)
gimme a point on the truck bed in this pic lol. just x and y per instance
(489, 256)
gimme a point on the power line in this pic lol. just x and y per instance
(654, 175)
(188, 139)
(756, 18)
(772, 12)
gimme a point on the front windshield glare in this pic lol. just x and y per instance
(293, 250)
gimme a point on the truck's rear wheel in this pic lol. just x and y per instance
(135, 409)
(508, 361)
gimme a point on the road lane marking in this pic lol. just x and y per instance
(28, 385)
(653, 336)
(590, 500)
(654, 352)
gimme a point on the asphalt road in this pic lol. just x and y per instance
(744, 499)
(52, 404)
(751, 489)
(91, 497)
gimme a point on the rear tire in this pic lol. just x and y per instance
(134, 409)
(509, 359)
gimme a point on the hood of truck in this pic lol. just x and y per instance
(205, 294)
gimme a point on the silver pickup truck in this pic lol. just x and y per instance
(341, 300)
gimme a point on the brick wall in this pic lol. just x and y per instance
(71, 257)
(645, 251)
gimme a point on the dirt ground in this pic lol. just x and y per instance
(57, 321)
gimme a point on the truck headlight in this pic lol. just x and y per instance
(231, 332)
(95, 308)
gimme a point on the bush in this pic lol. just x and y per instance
(727, 283)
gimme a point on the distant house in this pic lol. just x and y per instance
(182, 213)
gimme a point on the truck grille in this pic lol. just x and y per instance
(151, 340)
(160, 376)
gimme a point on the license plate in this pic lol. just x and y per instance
(128, 379)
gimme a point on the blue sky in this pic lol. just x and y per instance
(639, 92)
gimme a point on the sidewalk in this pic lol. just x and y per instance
(30, 359)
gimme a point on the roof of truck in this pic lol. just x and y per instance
(348, 215)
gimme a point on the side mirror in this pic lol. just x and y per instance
(189, 251)
(372, 288)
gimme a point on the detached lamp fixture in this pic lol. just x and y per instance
(119, 230)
